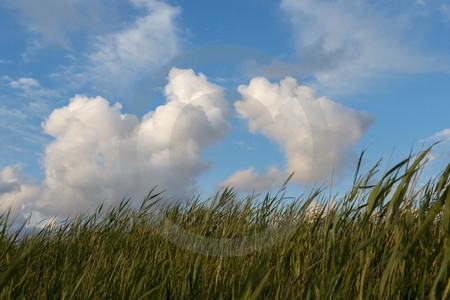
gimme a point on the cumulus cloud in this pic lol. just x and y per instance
(149, 41)
(314, 133)
(101, 155)
(344, 44)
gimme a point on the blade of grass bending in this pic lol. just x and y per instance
(442, 270)
(358, 166)
(248, 284)
(400, 192)
(434, 211)
(13, 268)
(375, 237)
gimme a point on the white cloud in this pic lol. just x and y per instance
(443, 134)
(14, 189)
(120, 57)
(31, 89)
(12, 113)
(118, 54)
(99, 154)
(345, 44)
(249, 181)
(32, 49)
(25, 83)
(25, 108)
(315, 133)
(440, 152)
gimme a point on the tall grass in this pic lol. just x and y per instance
(388, 240)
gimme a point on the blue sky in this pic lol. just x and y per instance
(99, 99)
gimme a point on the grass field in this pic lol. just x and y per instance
(388, 240)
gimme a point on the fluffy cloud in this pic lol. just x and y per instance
(315, 133)
(98, 154)
(344, 44)
(101, 155)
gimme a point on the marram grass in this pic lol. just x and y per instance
(388, 240)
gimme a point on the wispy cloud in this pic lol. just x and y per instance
(14, 189)
(345, 44)
(445, 11)
(11, 112)
(113, 53)
(441, 151)
(114, 62)
(120, 57)
(25, 83)
(31, 89)
(443, 134)
(25, 105)
(53, 20)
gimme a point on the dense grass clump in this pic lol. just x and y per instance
(388, 240)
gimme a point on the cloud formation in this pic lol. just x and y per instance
(25, 104)
(54, 18)
(14, 189)
(314, 133)
(31, 88)
(344, 44)
(249, 181)
(112, 52)
(101, 155)
(442, 135)
(149, 41)
(24, 83)
(440, 152)
(98, 154)
(445, 11)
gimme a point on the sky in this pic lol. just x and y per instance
(101, 100)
